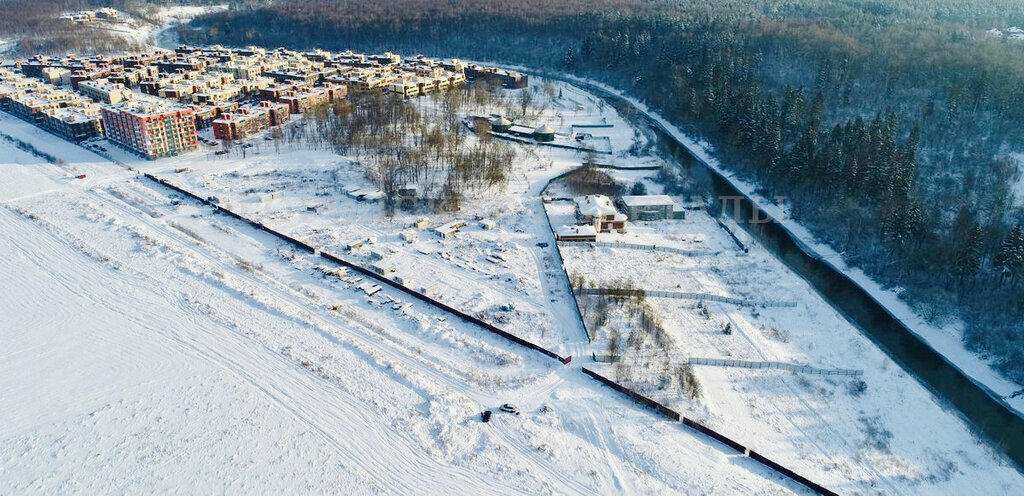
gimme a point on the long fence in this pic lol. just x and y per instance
(801, 369)
(637, 246)
(656, 406)
(685, 296)
(363, 271)
(713, 434)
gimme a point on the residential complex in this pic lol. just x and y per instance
(154, 103)
(63, 112)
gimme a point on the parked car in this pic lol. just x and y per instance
(510, 408)
(485, 416)
(542, 244)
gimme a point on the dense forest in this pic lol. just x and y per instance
(893, 126)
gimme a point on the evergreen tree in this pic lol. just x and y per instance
(570, 58)
(968, 261)
(1011, 252)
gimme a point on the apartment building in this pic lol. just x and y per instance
(75, 123)
(250, 120)
(151, 128)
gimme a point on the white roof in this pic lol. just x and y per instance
(597, 206)
(544, 129)
(647, 200)
(501, 121)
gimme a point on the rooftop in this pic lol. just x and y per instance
(647, 200)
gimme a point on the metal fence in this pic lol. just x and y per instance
(671, 414)
(686, 296)
(801, 369)
(665, 249)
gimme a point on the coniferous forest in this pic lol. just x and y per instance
(893, 126)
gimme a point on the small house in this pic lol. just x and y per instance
(598, 211)
(448, 230)
(488, 224)
(383, 269)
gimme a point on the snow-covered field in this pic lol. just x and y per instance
(150, 347)
(156, 345)
(945, 339)
(891, 437)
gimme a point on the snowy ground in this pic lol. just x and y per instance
(883, 440)
(149, 345)
(945, 339)
(280, 182)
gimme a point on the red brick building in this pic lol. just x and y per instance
(248, 120)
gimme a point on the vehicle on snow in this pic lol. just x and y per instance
(510, 408)
(485, 416)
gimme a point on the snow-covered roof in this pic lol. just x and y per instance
(596, 206)
(647, 200)
(544, 129)
(501, 121)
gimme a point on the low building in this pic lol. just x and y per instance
(103, 91)
(237, 125)
(508, 79)
(585, 234)
(500, 124)
(75, 123)
(598, 211)
(544, 133)
(647, 207)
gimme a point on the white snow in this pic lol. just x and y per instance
(153, 347)
(214, 357)
(944, 339)
(893, 437)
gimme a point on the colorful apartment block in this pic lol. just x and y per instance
(151, 129)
